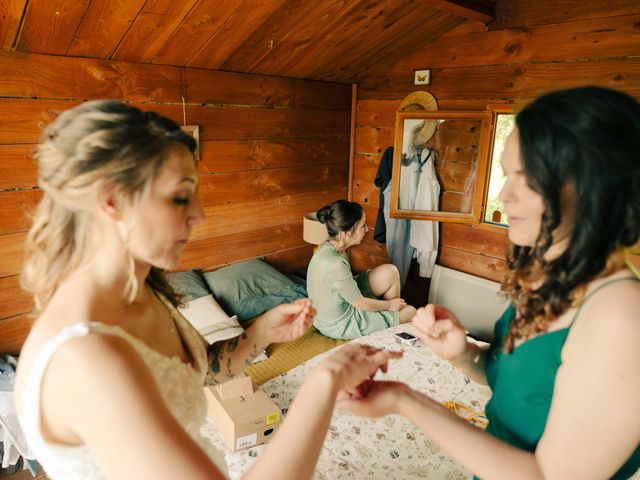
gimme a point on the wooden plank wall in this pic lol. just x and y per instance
(271, 149)
(530, 48)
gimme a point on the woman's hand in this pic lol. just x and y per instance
(439, 328)
(377, 399)
(286, 322)
(354, 363)
(396, 304)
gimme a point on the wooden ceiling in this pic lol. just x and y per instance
(333, 40)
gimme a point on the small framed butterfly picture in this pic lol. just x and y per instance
(422, 77)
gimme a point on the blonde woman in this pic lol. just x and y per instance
(109, 383)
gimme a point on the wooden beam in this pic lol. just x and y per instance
(18, 168)
(525, 13)
(16, 207)
(13, 299)
(151, 29)
(11, 15)
(479, 10)
(580, 40)
(219, 156)
(48, 76)
(507, 82)
(11, 254)
(490, 268)
(104, 25)
(352, 138)
(48, 26)
(263, 186)
(13, 332)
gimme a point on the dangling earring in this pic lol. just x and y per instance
(341, 242)
(131, 287)
(347, 242)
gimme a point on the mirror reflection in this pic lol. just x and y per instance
(441, 159)
(439, 164)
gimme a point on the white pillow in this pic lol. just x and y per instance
(211, 321)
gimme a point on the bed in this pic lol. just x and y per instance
(389, 448)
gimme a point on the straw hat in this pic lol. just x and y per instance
(417, 101)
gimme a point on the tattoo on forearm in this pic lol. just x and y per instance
(217, 355)
(233, 344)
(214, 357)
(254, 353)
(229, 372)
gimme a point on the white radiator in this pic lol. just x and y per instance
(474, 300)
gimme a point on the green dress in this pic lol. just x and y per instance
(332, 288)
(522, 387)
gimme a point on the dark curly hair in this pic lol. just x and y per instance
(589, 138)
(340, 216)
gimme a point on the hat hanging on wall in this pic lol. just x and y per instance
(417, 101)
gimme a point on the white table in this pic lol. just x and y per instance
(388, 448)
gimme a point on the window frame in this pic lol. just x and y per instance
(495, 109)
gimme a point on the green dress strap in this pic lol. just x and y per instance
(596, 290)
(522, 384)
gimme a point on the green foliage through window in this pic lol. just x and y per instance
(494, 212)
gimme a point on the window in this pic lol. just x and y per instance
(494, 212)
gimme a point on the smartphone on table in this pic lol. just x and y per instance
(405, 338)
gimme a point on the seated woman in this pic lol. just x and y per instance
(350, 307)
(563, 367)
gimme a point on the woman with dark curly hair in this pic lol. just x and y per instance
(564, 364)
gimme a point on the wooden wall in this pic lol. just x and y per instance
(529, 48)
(271, 149)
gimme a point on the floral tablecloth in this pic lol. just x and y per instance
(386, 448)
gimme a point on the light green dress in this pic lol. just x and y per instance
(332, 288)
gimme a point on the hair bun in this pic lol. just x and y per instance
(323, 214)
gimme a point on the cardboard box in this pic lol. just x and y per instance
(243, 415)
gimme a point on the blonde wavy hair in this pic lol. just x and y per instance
(99, 147)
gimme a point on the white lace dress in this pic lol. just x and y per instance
(180, 384)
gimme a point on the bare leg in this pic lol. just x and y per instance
(407, 314)
(384, 281)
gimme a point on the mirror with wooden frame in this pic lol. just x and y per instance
(440, 165)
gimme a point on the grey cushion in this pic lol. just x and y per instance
(248, 289)
(190, 283)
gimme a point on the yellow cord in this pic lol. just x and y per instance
(630, 265)
(467, 413)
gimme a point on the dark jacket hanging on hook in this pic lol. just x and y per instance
(383, 177)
